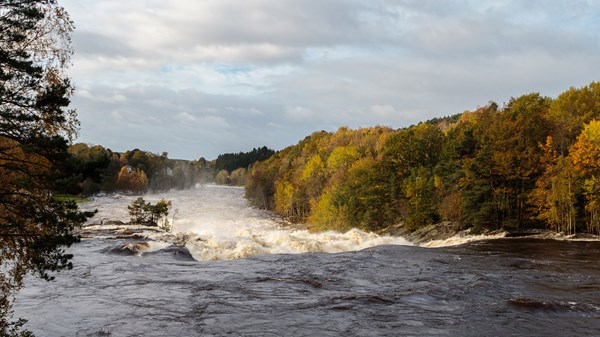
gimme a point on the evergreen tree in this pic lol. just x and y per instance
(34, 122)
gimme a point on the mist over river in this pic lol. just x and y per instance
(229, 269)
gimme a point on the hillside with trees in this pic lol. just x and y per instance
(231, 168)
(532, 163)
(94, 169)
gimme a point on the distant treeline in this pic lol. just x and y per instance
(233, 161)
(231, 167)
(94, 169)
(533, 162)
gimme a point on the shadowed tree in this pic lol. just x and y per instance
(34, 124)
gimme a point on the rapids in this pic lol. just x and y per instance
(231, 270)
(216, 223)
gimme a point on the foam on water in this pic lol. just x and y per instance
(462, 239)
(216, 223)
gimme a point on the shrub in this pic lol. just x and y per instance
(142, 212)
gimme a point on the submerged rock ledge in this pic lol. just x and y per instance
(447, 233)
(435, 235)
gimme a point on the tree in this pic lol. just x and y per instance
(515, 135)
(159, 211)
(366, 199)
(233, 161)
(138, 181)
(142, 212)
(420, 192)
(570, 111)
(123, 179)
(137, 210)
(585, 155)
(34, 124)
(132, 180)
(238, 177)
(222, 178)
(554, 195)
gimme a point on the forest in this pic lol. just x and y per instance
(231, 168)
(93, 169)
(532, 163)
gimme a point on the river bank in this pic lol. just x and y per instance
(142, 239)
(448, 234)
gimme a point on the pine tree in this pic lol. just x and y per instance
(34, 122)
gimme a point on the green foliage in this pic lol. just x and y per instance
(142, 212)
(76, 199)
(137, 210)
(421, 196)
(232, 161)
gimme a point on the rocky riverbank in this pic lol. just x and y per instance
(439, 231)
(448, 233)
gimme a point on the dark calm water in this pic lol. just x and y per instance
(503, 287)
(506, 287)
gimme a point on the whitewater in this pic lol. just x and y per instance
(228, 269)
(216, 223)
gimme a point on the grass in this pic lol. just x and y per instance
(65, 197)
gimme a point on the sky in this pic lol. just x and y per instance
(198, 78)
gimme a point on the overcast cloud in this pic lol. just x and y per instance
(200, 78)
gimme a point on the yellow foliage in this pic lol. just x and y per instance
(341, 158)
(314, 168)
(326, 215)
(585, 153)
(284, 193)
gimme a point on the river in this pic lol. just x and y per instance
(231, 270)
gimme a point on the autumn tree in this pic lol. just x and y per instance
(514, 138)
(585, 155)
(132, 180)
(238, 177)
(570, 111)
(34, 122)
(222, 178)
(554, 197)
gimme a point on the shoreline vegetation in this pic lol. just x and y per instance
(432, 236)
(532, 164)
(145, 216)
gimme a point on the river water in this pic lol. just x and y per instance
(231, 270)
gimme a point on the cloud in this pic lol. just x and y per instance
(199, 78)
(220, 30)
(185, 123)
(299, 114)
